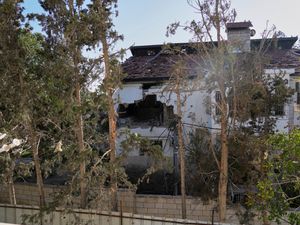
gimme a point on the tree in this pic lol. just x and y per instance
(30, 115)
(67, 27)
(279, 189)
(226, 75)
(214, 14)
(181, 88)
(202, 166)
(10, 65)
(11, 18)
(179, 82)
(18, 71)
(102, 13)
(10, 152)
(72, 27)
(50, 103)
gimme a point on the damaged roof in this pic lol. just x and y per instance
(155, 68)
(153, 63)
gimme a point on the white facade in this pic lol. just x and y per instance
(291, 117)
(195, 113)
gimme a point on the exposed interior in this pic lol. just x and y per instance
(148, 111)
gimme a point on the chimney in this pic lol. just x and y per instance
(238, 35)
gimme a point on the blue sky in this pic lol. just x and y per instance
(144, 22)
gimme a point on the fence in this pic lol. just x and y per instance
(13, 214)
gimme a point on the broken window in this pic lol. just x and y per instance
(148, 110)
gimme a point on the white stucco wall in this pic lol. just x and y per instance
(195, 111)
(129, 93)
(194, 114)
(287, 121)
(194, 108)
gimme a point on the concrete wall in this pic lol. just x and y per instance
(150, 205)
(170, 207)
(13, 214)
(27, 194)
(154, 205)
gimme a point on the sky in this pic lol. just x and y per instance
(144, 22)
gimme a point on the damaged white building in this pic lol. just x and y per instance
(145, 108)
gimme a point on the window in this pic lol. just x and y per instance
(279, 110)
(297, 89)
(218, 99)
(218, 96)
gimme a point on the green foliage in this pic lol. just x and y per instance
(202, 166)
(10, 61)
(135, 142)
(38, 89)
(244, 162)
(247, 106)
(279, 191)
(12, 166)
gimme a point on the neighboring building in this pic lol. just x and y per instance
(145, 108)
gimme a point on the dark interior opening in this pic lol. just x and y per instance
(147, 110)
(147, 86)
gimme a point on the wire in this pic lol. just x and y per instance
(161, 133)
(168, 135)
(202, 126)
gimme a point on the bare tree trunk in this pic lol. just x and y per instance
(12, 193)
(181, 151)
(34, 142)
(11, 186)
(80, 142)
(223, 179)
(111, 119)
(217, 21)
(112, 140)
